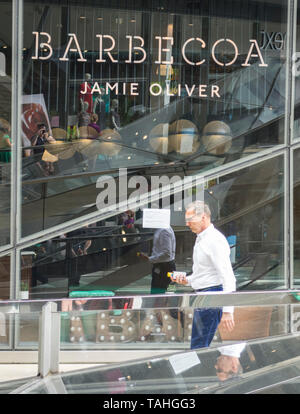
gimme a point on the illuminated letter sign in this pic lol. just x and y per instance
(136, 48)
(45, 46)
(73, 37)
(214, 56)
(138, 54)
(183, 50)
(164, 62)
(108, 50)
(250, 53)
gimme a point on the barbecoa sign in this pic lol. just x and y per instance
(138, 54)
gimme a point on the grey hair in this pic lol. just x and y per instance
(199, 207)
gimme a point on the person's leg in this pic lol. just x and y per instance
(160, 280)
(205, 324)
(156, 284)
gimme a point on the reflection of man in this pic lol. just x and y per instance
(162, 258)
(228, 363)
(212, 271)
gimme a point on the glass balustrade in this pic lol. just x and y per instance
(155, 331)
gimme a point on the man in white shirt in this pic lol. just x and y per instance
(212, 271)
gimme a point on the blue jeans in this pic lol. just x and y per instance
(205, 323)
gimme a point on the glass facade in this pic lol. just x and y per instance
(6, 137)
(162, 90)
(112, 108)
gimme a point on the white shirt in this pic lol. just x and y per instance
(233, 350)
(211, 262)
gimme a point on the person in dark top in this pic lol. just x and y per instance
(39, 139)
(162, 259)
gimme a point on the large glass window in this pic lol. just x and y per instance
(249, 210)
(296, 79)
(296, 213)
(247, 206)
(6, 138)
(105, 88)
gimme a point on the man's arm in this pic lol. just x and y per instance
(220, 255)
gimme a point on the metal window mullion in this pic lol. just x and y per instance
(291, 218)
(16, 170)
(294, 145)
(286, 221)
(289, 132)
(292, 150)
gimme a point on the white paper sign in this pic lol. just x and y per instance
(156, 218)
(182, 362)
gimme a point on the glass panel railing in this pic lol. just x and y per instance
(158, 328)
(151, 321)
(260, 351)
(241, 368)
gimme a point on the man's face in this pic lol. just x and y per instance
(226, 367)
(194, 222)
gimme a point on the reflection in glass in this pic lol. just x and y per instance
(127, 322)
(296, 199)
(262, 338)
(263, 367)
(5, 277)
(5, 320)
(139, 92)
(6, 138)
(246, 206)
(295, 92)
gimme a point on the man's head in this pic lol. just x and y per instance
(197, 216)
(228, 367)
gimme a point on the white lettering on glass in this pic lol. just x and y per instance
(73, 38)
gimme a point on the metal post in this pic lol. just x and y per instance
(49, 340)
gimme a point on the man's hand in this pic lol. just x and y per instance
(227, 321)
(180, 279)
